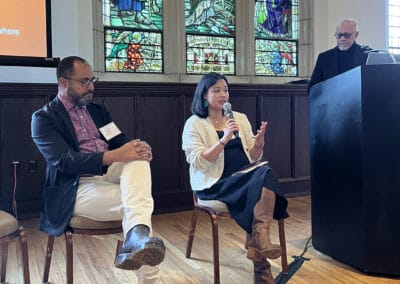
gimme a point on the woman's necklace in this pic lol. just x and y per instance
(217, 123)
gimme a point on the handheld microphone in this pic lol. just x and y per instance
(227, 107)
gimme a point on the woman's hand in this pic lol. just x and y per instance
(230, 128)
(213, 152)
(259, 137)
(256, 151)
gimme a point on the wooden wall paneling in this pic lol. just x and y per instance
(187, 105)
(187, 112)
(160, 125)
(17, 145)
(246, 102)
(301, 137)
(277, 150)
(122, 110)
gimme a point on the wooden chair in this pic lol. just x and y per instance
(216, 209)
(9, 231)
(82, 226)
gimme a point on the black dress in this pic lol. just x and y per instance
(241, 192)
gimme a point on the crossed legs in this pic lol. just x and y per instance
(125, 193)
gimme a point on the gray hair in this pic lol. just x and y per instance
(349, 21)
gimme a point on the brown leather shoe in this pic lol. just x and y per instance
(140, 249)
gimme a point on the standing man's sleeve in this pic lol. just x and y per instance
(317, 75)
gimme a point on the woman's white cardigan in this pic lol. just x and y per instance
(198, 135)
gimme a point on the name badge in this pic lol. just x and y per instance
(109, 131)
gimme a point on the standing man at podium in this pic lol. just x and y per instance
(345, 56)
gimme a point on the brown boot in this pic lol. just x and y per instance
(250, 250)
(247, 241)
(140, 249)
(260, 238)
(262, 270)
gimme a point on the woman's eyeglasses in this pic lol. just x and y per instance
(345, 35)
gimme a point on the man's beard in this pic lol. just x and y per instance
(344, 47)
(81, 100)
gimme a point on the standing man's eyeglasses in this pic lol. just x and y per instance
(85, 81)
(346, 35)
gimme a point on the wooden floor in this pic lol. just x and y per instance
(93, 256)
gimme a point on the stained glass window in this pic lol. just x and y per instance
(394, 26)
(210, 36)
(133, 35)
(276, 37)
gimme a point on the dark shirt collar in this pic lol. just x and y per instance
(346, 59)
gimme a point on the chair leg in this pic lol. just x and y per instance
(191, 233)
(282, 241)
(4, 255)
(24, 252)
(49, 251)
(214, 224)
(119, 245)
(69, 248)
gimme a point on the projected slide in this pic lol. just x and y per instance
(23, 28)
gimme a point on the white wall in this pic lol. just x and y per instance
(370, 16)
(72, 26)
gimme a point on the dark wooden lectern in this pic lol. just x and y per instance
(355, 167)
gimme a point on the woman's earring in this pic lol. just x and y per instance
(205, 103)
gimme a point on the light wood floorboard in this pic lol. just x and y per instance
(93, 255)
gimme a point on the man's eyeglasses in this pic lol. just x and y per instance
(346, 35)
(85, 81)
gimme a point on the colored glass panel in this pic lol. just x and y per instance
(127, 51)
(276, 57)
(138, 14)
(276, 28)
(276, 19)
(210, 36)
(210, 17)
(210, 54)
(133, 35)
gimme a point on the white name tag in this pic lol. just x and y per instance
(109, 131)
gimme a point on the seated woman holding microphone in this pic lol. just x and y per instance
(217, 147)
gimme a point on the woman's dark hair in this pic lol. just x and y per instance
(205, 83)
(66, 66)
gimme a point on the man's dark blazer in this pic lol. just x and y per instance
(327, 65)
(54, 135)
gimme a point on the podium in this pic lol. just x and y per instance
(355, 167)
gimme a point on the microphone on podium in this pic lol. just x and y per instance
(227, 107)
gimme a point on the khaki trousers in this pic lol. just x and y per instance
(124, 192)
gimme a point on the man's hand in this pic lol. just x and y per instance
(135, 150)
